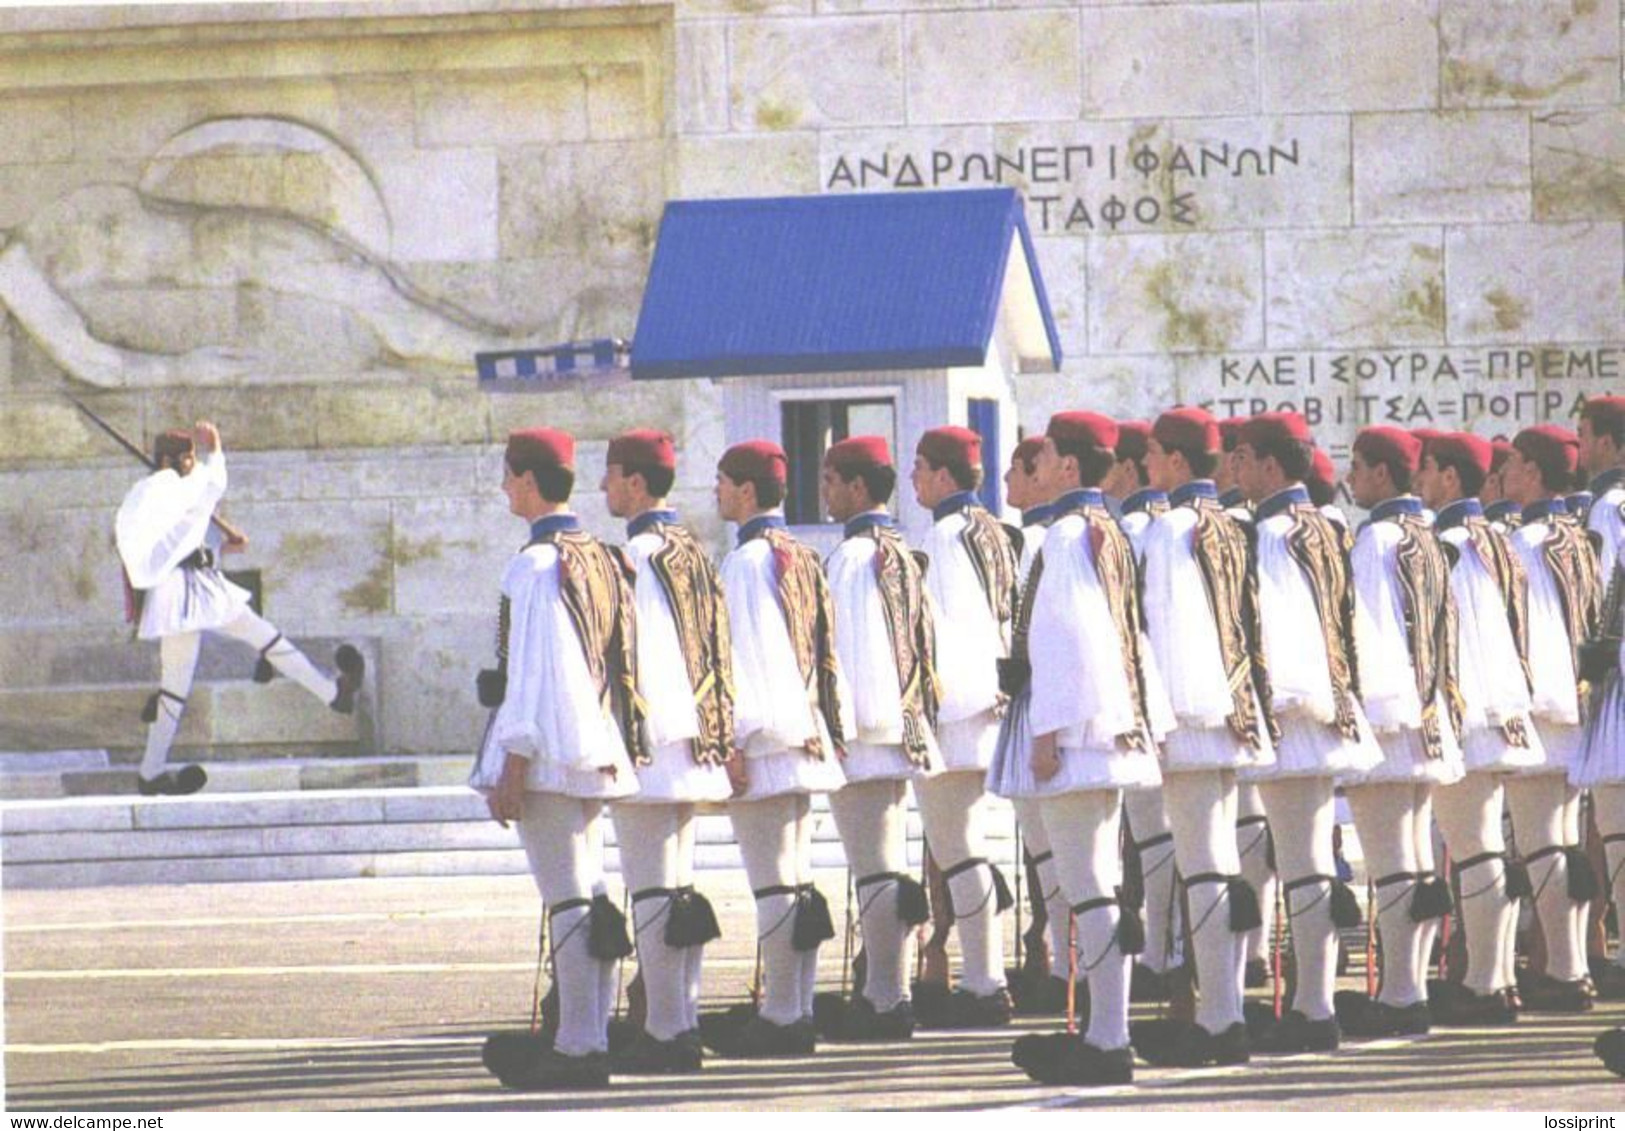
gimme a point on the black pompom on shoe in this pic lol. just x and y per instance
(352, 666)
(173, 783)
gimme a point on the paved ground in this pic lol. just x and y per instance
(376, 994)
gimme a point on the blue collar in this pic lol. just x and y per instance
(1542, 509)
(1143, 500)
(1233, 498)
(553, 524)
(650, 518)
(866, 522)
(953, 504)
(1500, 510)
(1281, 500)
(1393, 508)
(1580, 501)
(1457, 513)
(756, 527)
(1041, 515)
(1190, 492)
(1608, 480)
(1082, 497)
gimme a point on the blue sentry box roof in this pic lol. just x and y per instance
(823, 284)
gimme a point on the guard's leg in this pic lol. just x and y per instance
(279, 652)
(1205, 846)
(1149, 827)
(1302, 812)
(870, 818)
(557, 833)
(1083, 829)
(1253, 842)
(1385, 819)
(767, 833)
(177, 658)
(951, 809)
(648, 836)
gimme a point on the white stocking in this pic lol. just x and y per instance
(767, 834)
(1469, 815)
(1148, 825)
(1083, 830)
(562, 842)
(1200, 805)
(1302, 813)
(951, 807)
(871, 821)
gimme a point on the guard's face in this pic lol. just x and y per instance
(1430, 485)
(1520, 479)
(617, 491)
(729, 499)
(1249, 472)
(183, 464)
(522, 492)
(1597, 453)
(1019, 487)
(1158, 468)
(931, 484)
(842, 499)
(1367, 483)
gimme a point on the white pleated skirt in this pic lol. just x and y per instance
(1011, 775)
(868, 761)
(1405, 759)
(190, 600)
(1601, 756)
(1309, 748)
(673, 777)
(1210, 748)
(969, 744)
(1485, 750)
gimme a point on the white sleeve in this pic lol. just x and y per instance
(863, 645)
(663, 679)
(1294, 644)
(1387, 675)
(770, 697)
(165, 517)
(1179, 622)
(552, 710)
(970, 640)
(1606, 520)
(1491, 673)
(1079, 685)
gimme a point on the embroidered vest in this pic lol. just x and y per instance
(694, 592)
(1430, 625)
(809, 614)
(1223, 553)
(912, 635)
(1321, 550)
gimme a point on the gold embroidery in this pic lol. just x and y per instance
(1494, 549)
(1430, 626)
(913, 639)
(1220, 547)
(810, 617)
(595, 582)
(1321, 550)
(994, 560)
(1120, 582)
(694, 592)
(1578, 576)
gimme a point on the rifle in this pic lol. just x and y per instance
(232, 533)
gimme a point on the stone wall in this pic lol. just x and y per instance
(301, 220)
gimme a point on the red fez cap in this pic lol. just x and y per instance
(1189, 428)
(1499, 450)
(1550, 444)
(1230, 429)
(172, 444)
(1131, 439)
(541, 447)
(1383, 443)
(1274, 427)
(951, 444)
(1084, 428)
(643, 447)
(856, 453)
(1609, 412)
(1027, 451)
(1462, 447)
(754, 459)
(1427, 436)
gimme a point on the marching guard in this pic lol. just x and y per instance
(788, 741)
(1201, 613)
(1077, 735)
(170, 543)
(565, 730)
(1564, 606)
(887, 649)
(971, 578)
(1497, 734)
(1303, 580)
(1600, 765)
(1406, 638)
(685, 677)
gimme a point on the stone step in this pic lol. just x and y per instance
(93, 774)
(217, 837)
